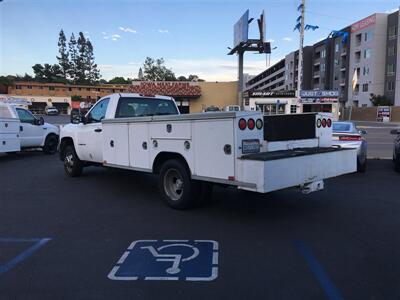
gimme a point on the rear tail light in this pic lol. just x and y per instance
(350, 138)
(242, 124)
(251, 124)
(259, 124)
(329, 123)
(323, 123)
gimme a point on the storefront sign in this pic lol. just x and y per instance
(269, 94)
(364, 23)
(319, 94)
(318, 100)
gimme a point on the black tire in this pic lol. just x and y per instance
(397, 163)
(50, 144)
(175, 185)
(73, 166)
(362, 167)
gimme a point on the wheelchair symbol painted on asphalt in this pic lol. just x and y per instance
(168, 260)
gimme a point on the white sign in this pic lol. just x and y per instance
(241, 30)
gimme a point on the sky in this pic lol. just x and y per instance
(192, 36)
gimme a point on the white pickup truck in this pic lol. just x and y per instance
(192, 152)
(20, 129)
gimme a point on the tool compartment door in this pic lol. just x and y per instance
(116, 144)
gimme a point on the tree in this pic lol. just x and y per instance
(73, 52)
(380, 100)
(140, 74)
(92, 73)
(38, 70)
(63, 59)
(154, 70)
(81, 60)
(182, 78)
(119, 80)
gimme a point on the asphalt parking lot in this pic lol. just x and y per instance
(61, 237)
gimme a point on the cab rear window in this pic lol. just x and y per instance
(141, 107)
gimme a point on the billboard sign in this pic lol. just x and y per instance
(241, 30)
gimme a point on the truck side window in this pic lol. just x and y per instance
(98, 112)
(139, 107)
(25, 116)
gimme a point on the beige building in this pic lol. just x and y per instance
(190, 96)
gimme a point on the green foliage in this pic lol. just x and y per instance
(154, 70)
(7, 80)
(47, 73)
(76, 98)
(380, 100)
(63, 59)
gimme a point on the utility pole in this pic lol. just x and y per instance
(300, 64)
(240, 77)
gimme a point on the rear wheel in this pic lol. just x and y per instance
(176, 186)
(73, 166)
(362, 166)
(50, 144)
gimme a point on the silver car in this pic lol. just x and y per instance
(346, 135)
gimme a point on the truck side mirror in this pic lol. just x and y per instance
(41, 121)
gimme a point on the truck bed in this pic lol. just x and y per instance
(282, 154)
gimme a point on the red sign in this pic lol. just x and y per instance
(364, 23)
(167, 88)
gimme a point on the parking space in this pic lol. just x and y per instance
(341, 243)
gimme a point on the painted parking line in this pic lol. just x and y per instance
(39, 243)
(188, 260)
(323, 279)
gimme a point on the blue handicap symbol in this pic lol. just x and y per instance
(168, 260)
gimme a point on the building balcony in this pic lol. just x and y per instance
(343, 68)
(344, 53)
(317, 63)
(316, 76)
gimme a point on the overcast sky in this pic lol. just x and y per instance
(192, 36)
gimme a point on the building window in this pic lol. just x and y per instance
(366, 71)
(79, 89)
(358, 72)
(322, 67)
(367, 53)
(392, 32)
(293, 109)
(51, 88)
(357, 56)
(121, 90)
(336, 47)
(40, 87)
(98, 89)
(390, 86)
(390, 69)
(70, 89)
(29, 87)
(391, 50)
(358, 39)
(17, 87)
(88, 89)
(357, 89)
(323, 53)
(365, 87)
(368, 36)
(336, 62)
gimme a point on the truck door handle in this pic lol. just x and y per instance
(98, 130)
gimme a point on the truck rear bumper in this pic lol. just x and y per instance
(272, 171)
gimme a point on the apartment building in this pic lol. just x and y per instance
(367, 59)
(291, 69)
(392, 71)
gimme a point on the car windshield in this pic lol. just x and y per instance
(341, 127)
(140, 107)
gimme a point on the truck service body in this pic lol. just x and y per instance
(191, 152)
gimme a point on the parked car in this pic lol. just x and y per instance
(396, 149)
(346, 135)
(212, 108)
(51, 111)
(232, 108)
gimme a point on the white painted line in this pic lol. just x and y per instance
(161, 278)
(214, 275)
(176, 241)
(112, 276)
(379, 158)
(139, 241)
(215, 244)
(123, 257)
(215, 258)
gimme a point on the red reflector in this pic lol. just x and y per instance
(329, 123)
(350, 138)
(242, 124)
(319, 123)
(251, 124)
(231, 178)
(323, 123)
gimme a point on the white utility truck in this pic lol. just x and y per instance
(20, 129)
(192, 152)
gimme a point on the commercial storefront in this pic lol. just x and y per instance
(271, 102)
(320, 101)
